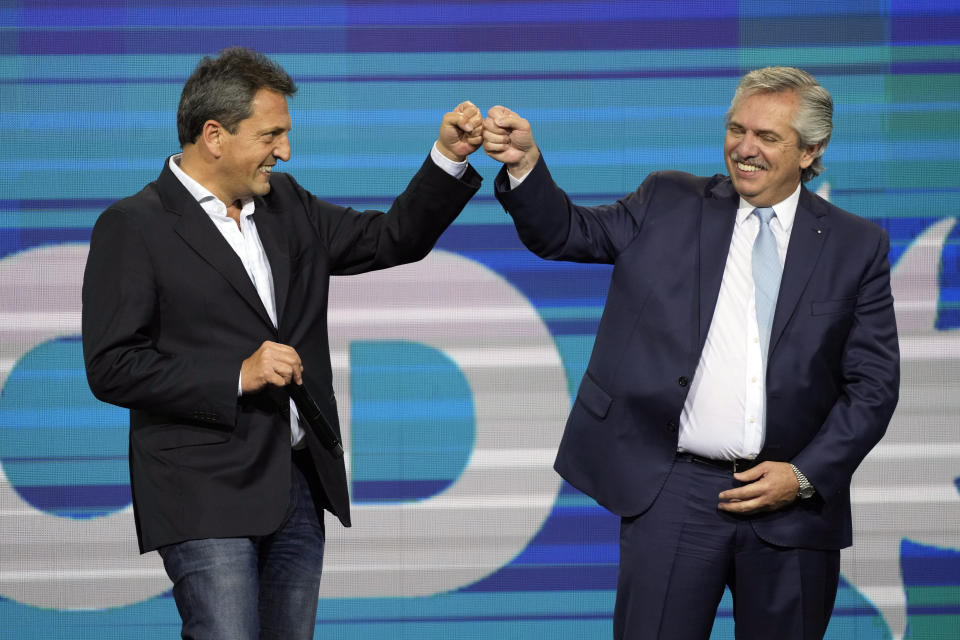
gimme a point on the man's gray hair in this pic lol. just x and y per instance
(813, 120)
(222, 89)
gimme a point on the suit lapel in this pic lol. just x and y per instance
(717, 218)
(198, 231)
(810, 231)
(270, 237)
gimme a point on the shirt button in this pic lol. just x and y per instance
(753, 379)
(756, 340)
(752, 420)
(683, 381)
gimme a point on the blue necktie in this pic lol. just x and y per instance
(766, 276)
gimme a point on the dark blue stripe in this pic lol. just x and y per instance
(445, 618)
(620, 35)
(53, 498)
(573, 327)
(15, 240)
(363, 12)
(925, 30)
(396, 490)
(578, 525)
(679, 33)
(558, 578)
(925, 68)
(621, 74)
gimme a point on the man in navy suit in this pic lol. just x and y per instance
(204, 300)
(745, 364)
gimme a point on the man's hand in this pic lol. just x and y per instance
(769, 486)
(272, 364)
(461, 132)
(507, 138)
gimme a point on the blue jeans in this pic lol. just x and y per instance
(252, 588)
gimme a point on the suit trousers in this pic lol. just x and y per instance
(253, 588)
(677, 557)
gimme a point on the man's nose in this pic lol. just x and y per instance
(282, 150)
(748, 146)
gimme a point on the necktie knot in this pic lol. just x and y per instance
(765, 214)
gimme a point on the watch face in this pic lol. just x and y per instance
(806, 492)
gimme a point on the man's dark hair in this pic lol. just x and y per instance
(222, 89)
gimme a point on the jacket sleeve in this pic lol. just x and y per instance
(119, 327)
(554, 228)
(870, 370)
(361, 241)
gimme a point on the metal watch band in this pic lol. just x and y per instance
(806, 489)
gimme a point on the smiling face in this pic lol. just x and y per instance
(249, 155)
(760, 148)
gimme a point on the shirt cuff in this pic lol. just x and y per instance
(516, 182)
(455, 169)
(240, 384)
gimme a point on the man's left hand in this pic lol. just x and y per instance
(767, 487)
(461, 132)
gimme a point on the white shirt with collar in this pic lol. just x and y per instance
(245, 242)
(723, 416)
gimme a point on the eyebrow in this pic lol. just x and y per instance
(761, 132)
(274, 130)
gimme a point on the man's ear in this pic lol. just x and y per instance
(808, 155)
(212, 137)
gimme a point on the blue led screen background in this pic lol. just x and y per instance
(454, 375)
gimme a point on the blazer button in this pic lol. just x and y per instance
(683, 381)
(672, 426)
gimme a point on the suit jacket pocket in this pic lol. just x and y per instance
(176, 436)
(826, 307)
(596, 400)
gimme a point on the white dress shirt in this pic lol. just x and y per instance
(245, 241)
(723, 416)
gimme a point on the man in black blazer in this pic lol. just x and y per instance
(745, 364)
(204, 297)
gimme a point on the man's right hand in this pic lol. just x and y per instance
(507, 138)
(272, 364)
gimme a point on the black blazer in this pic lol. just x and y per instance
(833, 367)
(169, 315)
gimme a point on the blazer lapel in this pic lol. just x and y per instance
(717, 218)
(199, 232)
(270, 237)
(810, 231)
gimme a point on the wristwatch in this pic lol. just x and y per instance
(806, 489)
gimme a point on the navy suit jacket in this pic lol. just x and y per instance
(170, 313)
(833, 366)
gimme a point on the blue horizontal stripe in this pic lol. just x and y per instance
(625, 34)
(573, 327)
(914, 30)
(682, 33)
(127, 14)
(554, 578)
(578, 525)
(574, 553)
(396, 490)
(70, 497)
